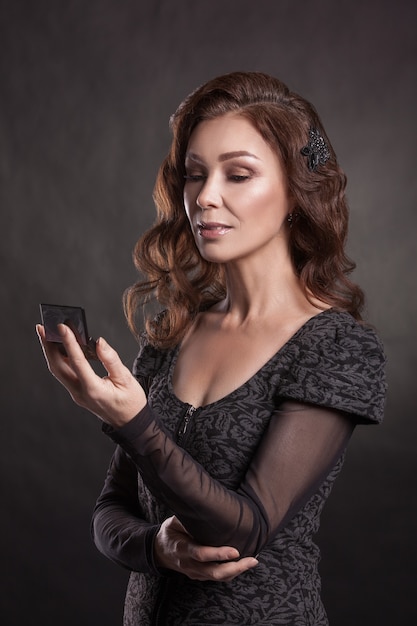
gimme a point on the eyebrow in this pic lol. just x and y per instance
(222, 157)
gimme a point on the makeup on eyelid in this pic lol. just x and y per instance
(235, 191)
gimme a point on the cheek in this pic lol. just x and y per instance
(187, 204)
(261, 201)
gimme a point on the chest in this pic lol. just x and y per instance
(222, 436)
(212, 365)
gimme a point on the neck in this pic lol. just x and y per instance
(257, 288)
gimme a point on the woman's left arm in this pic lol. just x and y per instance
(298, 449)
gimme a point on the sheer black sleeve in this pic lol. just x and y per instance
(296, 453)
(118, 528)
(329, 378)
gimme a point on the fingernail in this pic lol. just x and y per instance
(233, 554)
(62, 329)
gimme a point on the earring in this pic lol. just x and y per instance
(290, 218)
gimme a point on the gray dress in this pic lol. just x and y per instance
(218, 468)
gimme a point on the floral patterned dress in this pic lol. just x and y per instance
(221, 469)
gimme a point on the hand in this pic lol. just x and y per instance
(115, 398)
(175, 549)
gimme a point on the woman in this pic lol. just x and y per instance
(249, 382)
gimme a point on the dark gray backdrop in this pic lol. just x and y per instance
(87, 88)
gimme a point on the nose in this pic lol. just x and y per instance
(209, 196)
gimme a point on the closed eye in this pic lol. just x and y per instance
(193, 178)
(238, 178)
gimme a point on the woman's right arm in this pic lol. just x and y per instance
(121, 533)
(119, 529)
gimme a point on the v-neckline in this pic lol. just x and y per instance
(226, 397)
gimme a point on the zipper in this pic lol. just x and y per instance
(184, 424)
(159, 612)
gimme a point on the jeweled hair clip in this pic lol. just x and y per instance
(316, 150)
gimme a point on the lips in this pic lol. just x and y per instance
(211, 230)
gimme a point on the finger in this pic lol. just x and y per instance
(58, 363)
(205, 554)
(111, 361)
(40, 331)
(76, 363)
(54, 355)
(201, 553)
(220, 572)
(69, 340)
(45, 345)
(70, 367)
(224, 572)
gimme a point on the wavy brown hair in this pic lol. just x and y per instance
(174, 273)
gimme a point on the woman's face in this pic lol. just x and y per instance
(235, 192)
